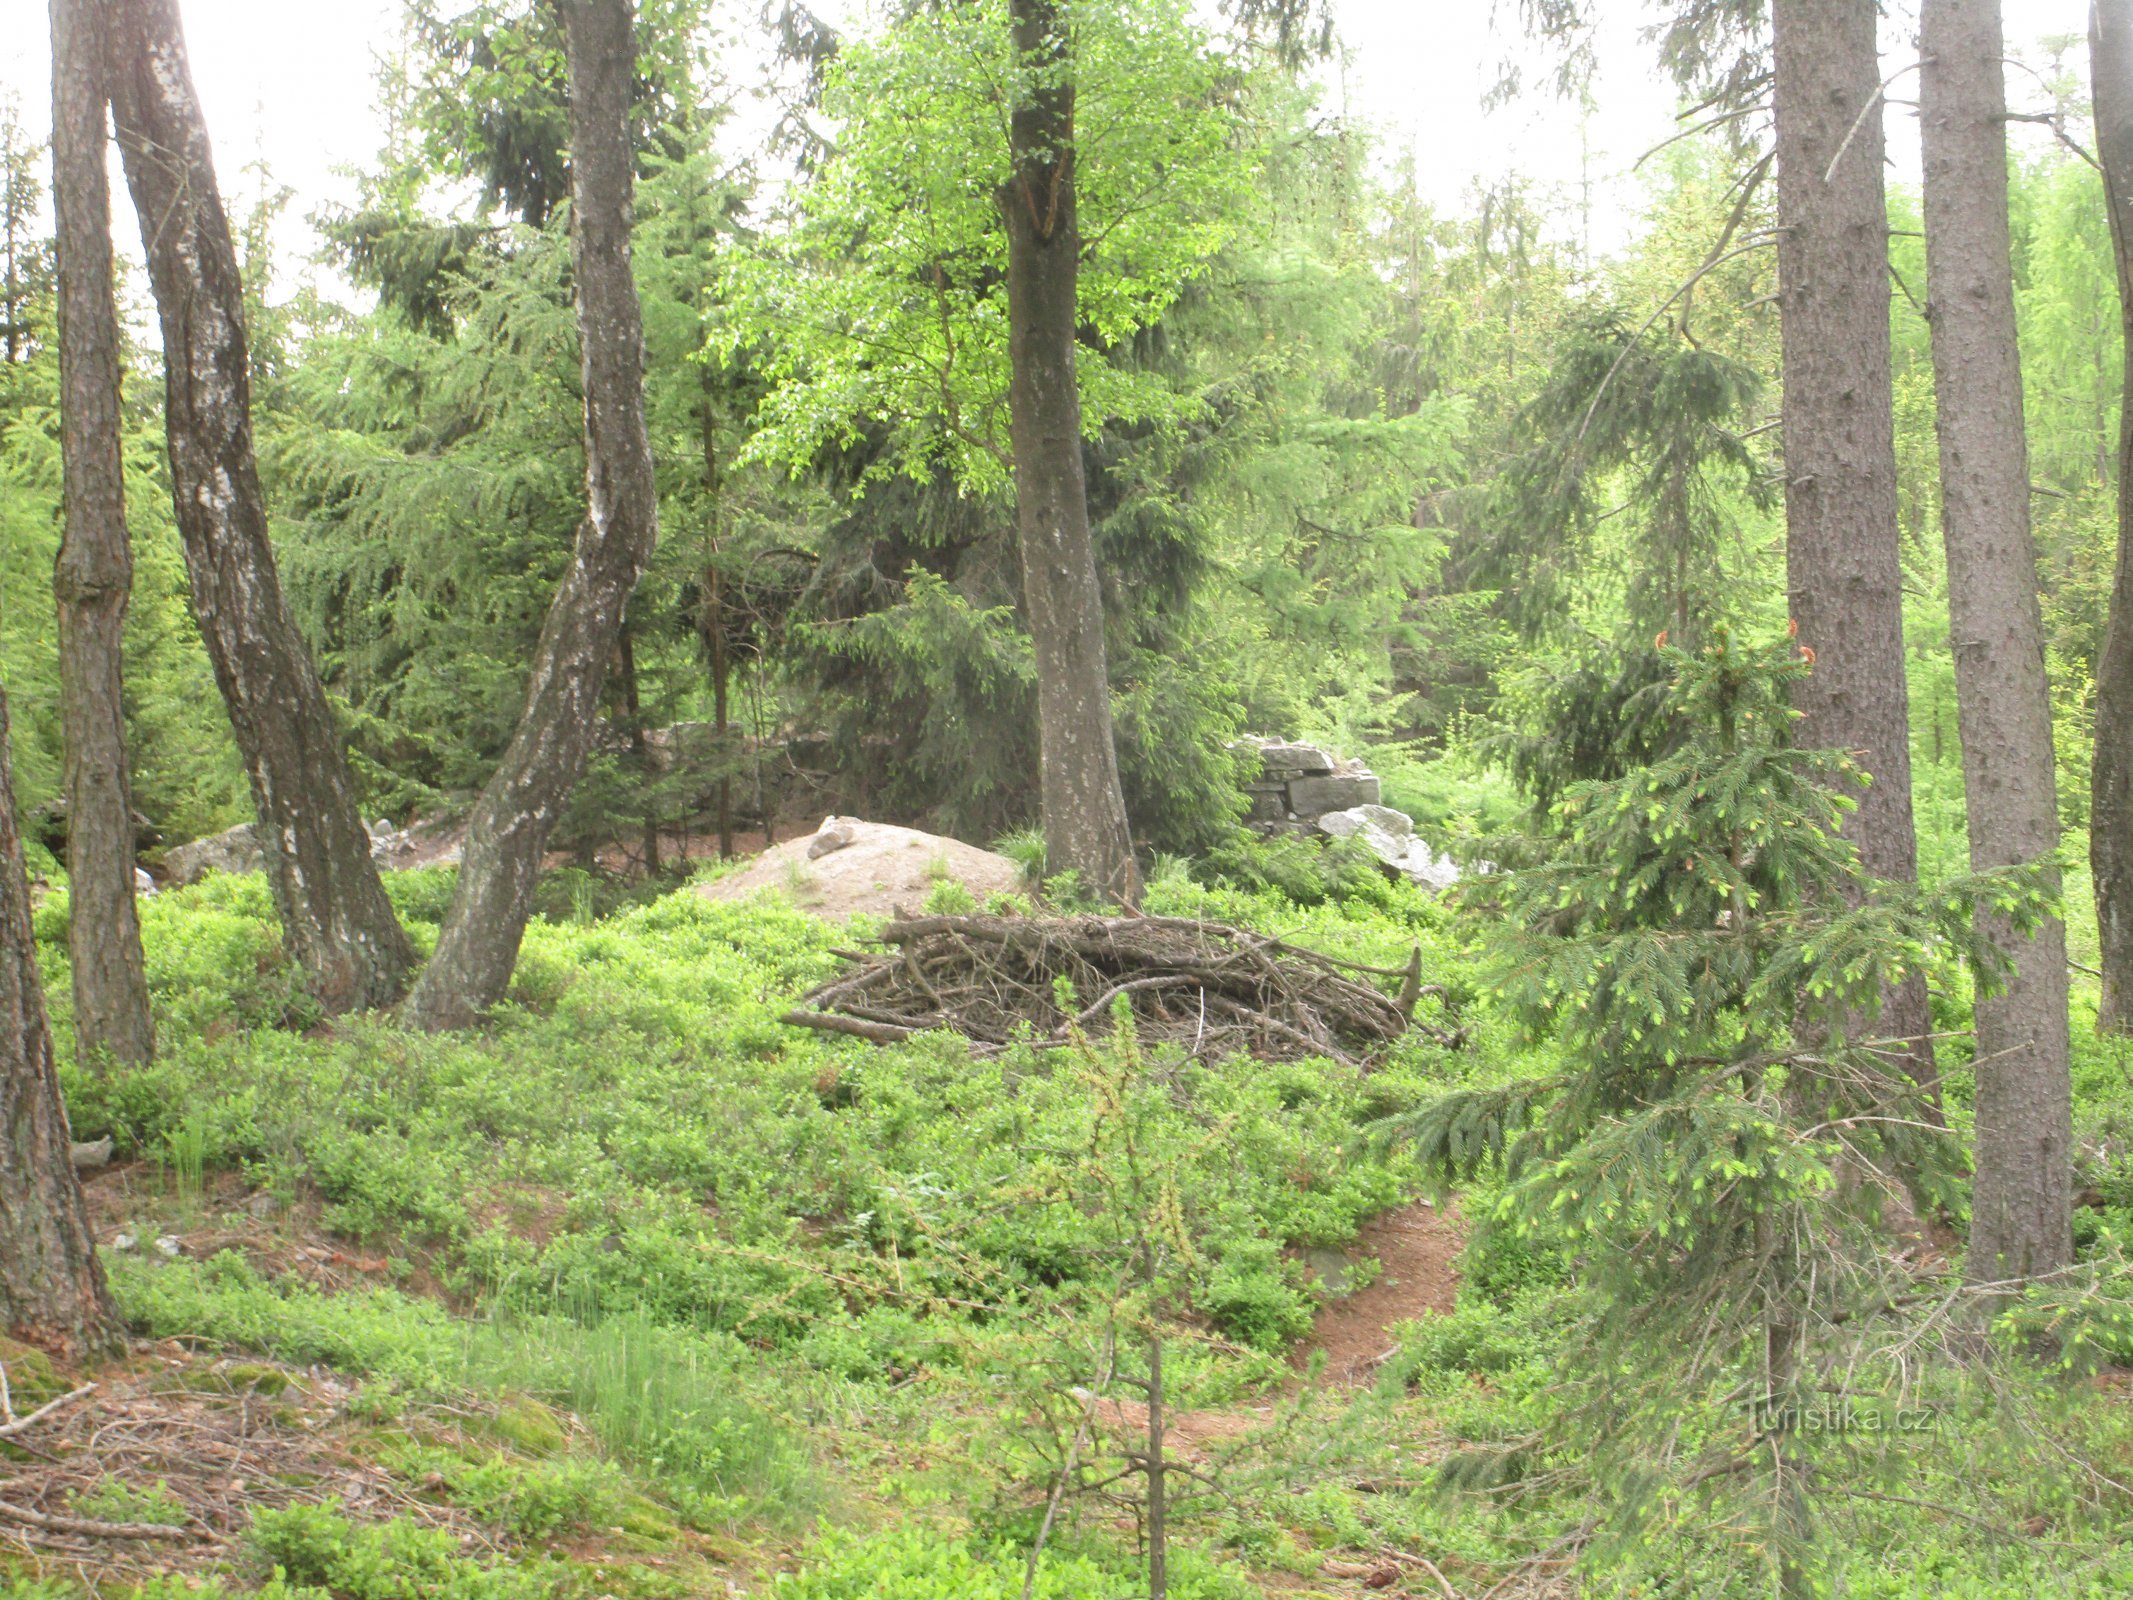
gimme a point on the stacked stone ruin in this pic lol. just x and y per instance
(1305, 789)
(1299, 783)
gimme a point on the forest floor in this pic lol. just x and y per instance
(639, 1293)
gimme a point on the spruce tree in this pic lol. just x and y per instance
(1725, 1186)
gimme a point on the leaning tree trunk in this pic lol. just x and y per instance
(2022, 1201)
(93, 577)
(334, 913)
(508, 833)
(1843, 567)
(2111, 795)
(51, 1288)
(1084, 809)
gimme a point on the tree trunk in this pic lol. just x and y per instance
(508, 833)
(714, 619)
(334, 913)
(1843, 567)
(52, 1290)
(93, 577)
(640, 746)
(2111, 796)
(2022, 1203)
(1084, 809)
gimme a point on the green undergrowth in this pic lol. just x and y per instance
(767, 1276)
(824, 1309)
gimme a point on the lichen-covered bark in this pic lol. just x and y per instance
(2111, 780)
(1843, 542)
(93, 577)
(2022, 1203)
(508, 831)
(334, 913)
(52, 1290)
(1085, 827)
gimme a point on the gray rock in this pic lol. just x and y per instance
(1391, 837)
(1314, 797)
(169, 1247)
(834, 834)
(143, 885)
(1335, 1271)
(124, 1241)
(92, 1154)
(234, 850)
(1281, 759)
(1343, 824)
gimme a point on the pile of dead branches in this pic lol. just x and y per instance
(1213, 989)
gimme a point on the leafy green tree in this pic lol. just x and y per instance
(1072, 177)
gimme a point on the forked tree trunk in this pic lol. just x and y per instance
(2111, 780)
(1084, 809)
(1843, 542)
(2022, 1202)
(52, 1290)
(334, 913)
(93, 578)
(508, 833)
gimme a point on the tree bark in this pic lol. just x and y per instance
(2022, 1201)
(52, 1289)
(508, 832)
(2111, 779)
(334, 913)
(1843, 566)
(93, 577)
(1085, 827)
(640, 746)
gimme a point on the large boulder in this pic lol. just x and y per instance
(233, 850)
(849, 865)
(238, 850)
(1391, 837)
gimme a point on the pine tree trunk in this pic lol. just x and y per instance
(2111, 797)
(93, 578)
(508, 832)
(2022, 1202)
(1843, 542)
(51, 1287)
(334, 914)
(1084, 809)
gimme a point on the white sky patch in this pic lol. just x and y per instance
(294, 83)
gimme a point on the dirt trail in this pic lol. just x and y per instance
(1417, 1247)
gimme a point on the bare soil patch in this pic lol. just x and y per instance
(1417, 1248)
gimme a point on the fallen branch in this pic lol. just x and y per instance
(15, 1424)
(1207, 987)
(90, 1528)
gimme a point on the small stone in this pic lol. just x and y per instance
(834, 834)
(124, 1242)
(169, 1248)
